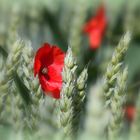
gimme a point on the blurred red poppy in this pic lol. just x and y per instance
(130, 113)
(95, 28)
(48, 65)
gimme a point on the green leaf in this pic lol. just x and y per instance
(3, 52)
(23, 90)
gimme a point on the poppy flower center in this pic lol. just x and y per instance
(44, 70)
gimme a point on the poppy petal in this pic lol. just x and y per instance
(95, 28)
(50, 58)
(40, 57)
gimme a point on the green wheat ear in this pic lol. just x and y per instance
(79, 99)
(115, 85)
(7, 85)
(65, 113)
(114, 66)
(117, 103)
(12, 63)
(72, 96)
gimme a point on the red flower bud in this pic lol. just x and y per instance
(130, 113)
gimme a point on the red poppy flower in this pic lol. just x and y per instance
(130, 113)
(95, 28)
(48, 65)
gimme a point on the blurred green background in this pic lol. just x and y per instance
(61, 22)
